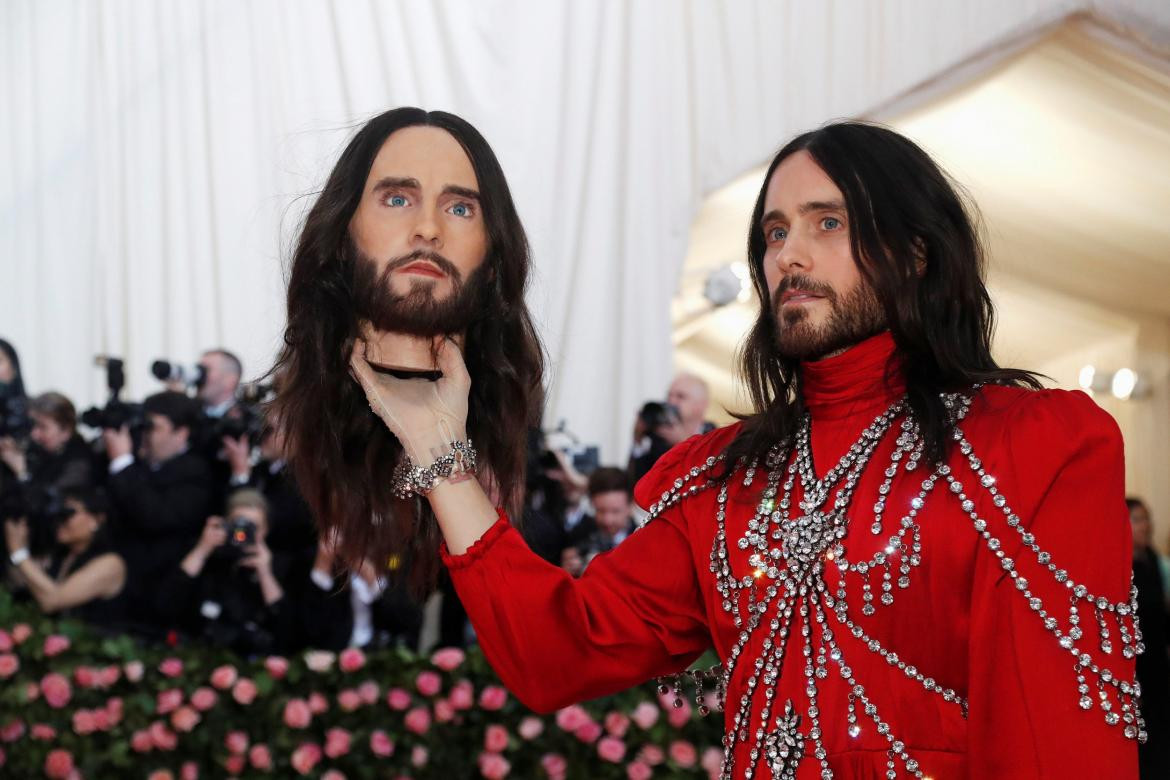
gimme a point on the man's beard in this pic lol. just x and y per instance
(853, 318)
(418, 312)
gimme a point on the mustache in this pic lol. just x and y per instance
(444, 265)
(806, 283)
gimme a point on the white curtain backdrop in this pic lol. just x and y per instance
(156, 156)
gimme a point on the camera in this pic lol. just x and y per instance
(14, 419)
(114, 415)
(241, 533)
(655, 414)
(37, 503)
(167, 371)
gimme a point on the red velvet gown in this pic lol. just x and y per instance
(651, 606)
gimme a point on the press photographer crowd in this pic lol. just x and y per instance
(176, 520)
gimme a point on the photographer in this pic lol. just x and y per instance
(162, 501)
(57, 455)
(221, 379)
(657, 428)
(86, 577)
(611, 496)
(226, 589)
(11, 381)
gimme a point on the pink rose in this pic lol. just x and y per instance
(319, 660)
(297, 714)
(43, 732)
(224, 677)
(189, 771)
(572, 717)
(162, 737)
(6, 642)
(645, 715)
(444, 712)
(418, 720)
(260, 757)
(712, 761)
(84, 722)
(84, 676)
(277, 666)
(611, 749)
(318, 703)
(495, 739)
(203, 698)
(493, 697)
(108, 676)
(651, 754)
(55, 644)
(332, 774)
(168, 701)
(56, 689)
(428, 683)
(419, 756)
(236, 742)
(32, 691)
(21, 632)
(462, 695)
(244, 691)
(104, 720)
(349, 700)
(141, 742)
(397, 699)
(530, 728)
(351, 659)
(160, 774)
(493, 766)
(683, 753)
(305, 757)
(133, 670)
(337, 742)
(59, 764)
(9, 665)
(234, 764)
(588, 732)
(448, 658)
(554, 765)
(12, 731)
(636, 770)
(381, 744)
(617, 724)
(679, 716)
(171, 667)
(368, 691)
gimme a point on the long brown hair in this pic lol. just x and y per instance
(342, 455)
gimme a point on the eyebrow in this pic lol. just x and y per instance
(806, 208)
(397, 182)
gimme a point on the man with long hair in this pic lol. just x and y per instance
(911, 561)
(413, 242)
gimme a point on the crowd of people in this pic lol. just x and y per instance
(182, 523)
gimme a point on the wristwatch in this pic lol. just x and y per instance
(19, 556)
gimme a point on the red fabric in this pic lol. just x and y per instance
(650, 606)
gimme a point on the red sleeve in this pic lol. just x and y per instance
(1061, 469)
(636, 613)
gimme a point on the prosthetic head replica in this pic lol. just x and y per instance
(413, 236)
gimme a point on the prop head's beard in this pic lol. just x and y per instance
(417, 313)
(853, 318)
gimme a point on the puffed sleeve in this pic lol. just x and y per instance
(636, 613)
(1059, 467)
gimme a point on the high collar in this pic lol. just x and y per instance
(864, 378)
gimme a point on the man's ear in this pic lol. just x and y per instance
(919, 256)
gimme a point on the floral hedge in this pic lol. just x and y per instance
(73, 704)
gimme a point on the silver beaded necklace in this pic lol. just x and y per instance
(794, 560)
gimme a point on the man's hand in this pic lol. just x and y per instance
(118, 442)
(239, 454)
(258, 557)
(13, 456)
(214, 535)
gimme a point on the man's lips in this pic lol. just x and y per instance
(798, 296)
(423, 268)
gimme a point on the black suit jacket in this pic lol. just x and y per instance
(159, 513)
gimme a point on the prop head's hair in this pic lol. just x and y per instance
(341, 454)
(915, 242)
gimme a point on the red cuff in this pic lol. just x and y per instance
(480, 548)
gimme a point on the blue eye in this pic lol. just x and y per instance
(777, 234)
(397, 201)
(461, 210)
(830, 223)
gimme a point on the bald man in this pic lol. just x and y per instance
(690, 395)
